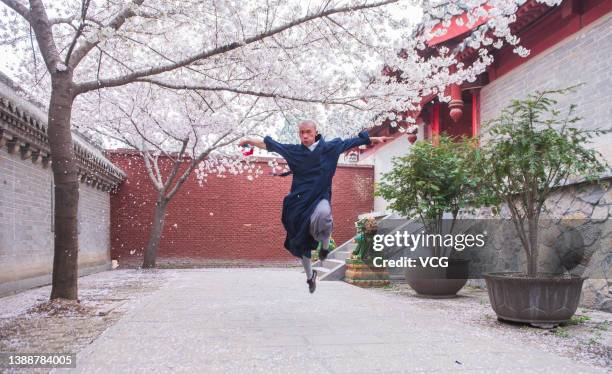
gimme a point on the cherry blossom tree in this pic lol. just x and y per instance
(293, 56)
(73, 48)
(177, 134)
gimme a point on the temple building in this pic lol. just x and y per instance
(569, 44)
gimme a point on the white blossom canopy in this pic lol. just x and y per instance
(278, 59)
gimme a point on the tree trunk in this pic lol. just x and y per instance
(65, 178)
(532, 260)
(157, 228)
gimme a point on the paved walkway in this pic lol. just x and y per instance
(264, 320)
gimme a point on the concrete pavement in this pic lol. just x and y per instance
(264, 320)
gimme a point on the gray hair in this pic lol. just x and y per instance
(308, 122)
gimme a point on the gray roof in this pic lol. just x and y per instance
(33, 117)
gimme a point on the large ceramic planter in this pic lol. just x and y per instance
(362, 274)
(544, 301)
(438, 282)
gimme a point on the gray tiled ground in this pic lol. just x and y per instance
(264, 320)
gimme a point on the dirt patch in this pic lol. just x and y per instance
(30, 323)
(587, 338)
(61, 308)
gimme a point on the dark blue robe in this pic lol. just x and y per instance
(312, 181)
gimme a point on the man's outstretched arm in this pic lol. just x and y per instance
(254, 142)
(269, 145)
(363, 139)
(380, 139)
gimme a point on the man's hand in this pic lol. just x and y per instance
(380, 139)
(253, 142)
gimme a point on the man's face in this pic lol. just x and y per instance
(308, 132)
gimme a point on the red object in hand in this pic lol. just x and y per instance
(412, 138)
(248, 151)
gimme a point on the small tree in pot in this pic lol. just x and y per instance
(429, 182)
(532, 149)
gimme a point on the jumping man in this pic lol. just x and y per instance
(306, 212)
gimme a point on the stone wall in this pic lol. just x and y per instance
(26, 237)
(592, 203)
(575, 236)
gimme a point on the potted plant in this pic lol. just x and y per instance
(531, 150)
(432, 181)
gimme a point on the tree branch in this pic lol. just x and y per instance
(79, 30)
(114, 23)
(129, 78)
(239, 91)
(18, 8)
(155, 179)
(175, 169)
(44, 35)
(197, 160)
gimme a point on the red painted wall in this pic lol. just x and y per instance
(227, 220)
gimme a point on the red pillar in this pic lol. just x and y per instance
(435, 122)
(475, 112)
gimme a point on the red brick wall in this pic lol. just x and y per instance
(227, 219)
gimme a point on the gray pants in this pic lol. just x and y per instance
(321, 226)
(322, 223)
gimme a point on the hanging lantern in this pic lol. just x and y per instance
(456, 104)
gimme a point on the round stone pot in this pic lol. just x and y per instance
(438, 282)
(543, 301)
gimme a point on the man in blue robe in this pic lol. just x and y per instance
(306, 212)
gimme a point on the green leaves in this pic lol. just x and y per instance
(433, 179)
(534, 147)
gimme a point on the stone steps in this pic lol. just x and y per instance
(334, 265)
(339, 255)
(331, 263)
